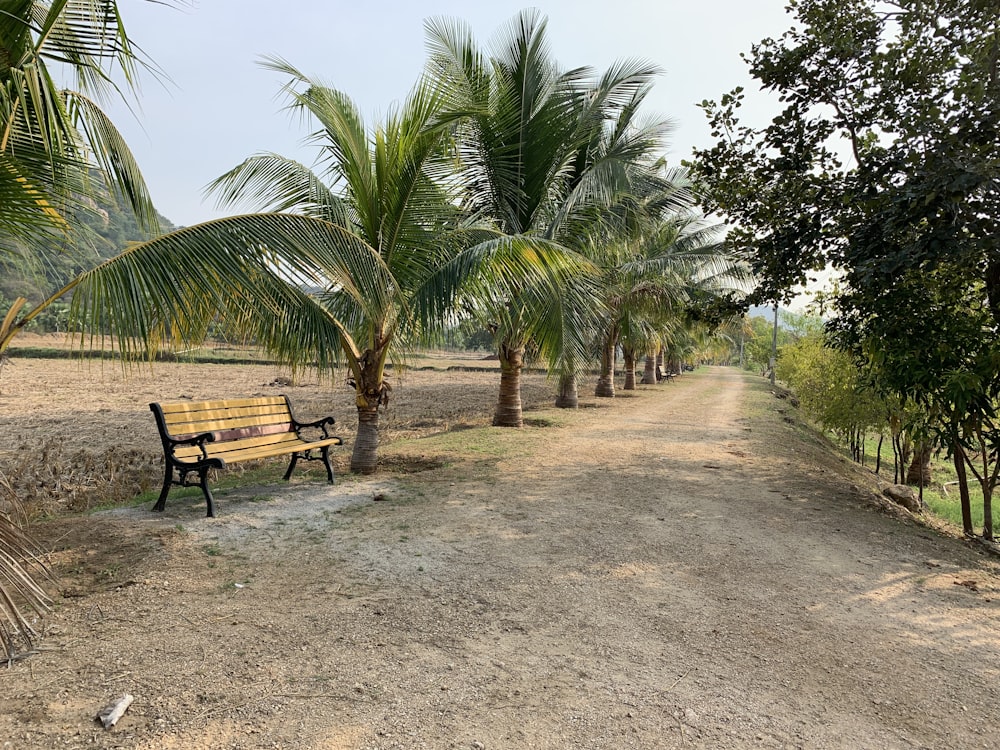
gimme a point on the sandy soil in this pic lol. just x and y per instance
(686, 566)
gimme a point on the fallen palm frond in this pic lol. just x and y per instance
(22, 599)
(46, 479)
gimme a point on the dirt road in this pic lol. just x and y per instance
(685, 567)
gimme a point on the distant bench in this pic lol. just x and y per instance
(202, 435)
(661, 375)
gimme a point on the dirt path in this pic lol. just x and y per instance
(656, 572)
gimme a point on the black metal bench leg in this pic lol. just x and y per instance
(291, 466)
(325, 452)
(168, 478)
(209, 500)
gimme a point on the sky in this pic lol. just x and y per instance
(219, 106)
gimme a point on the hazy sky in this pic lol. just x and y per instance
(220, 106)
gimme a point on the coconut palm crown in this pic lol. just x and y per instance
(388, 190)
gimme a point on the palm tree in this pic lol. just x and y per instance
(526, 134)
(644, 191)
(388, 190)
(57, 149)
(651, 269)
(57, 146)
(633, 246)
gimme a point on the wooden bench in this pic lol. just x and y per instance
(662, 375)
(202, 435)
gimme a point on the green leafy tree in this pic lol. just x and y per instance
(939, 352)
(883, 163)
(911, 90)
(757, 339)
(831, 390)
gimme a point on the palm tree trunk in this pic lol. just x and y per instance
(370, 393)
(606, 381)
(629, 355)
(364, 458)
(649, 372)
(508, 412)
(569, 395)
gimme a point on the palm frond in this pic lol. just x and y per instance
(271, 183)
(515, 281)
(21, 567)
(55, 137)
(251, 271)
(113, 157)
(28, 211)
(342, 137)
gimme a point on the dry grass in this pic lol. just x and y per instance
(75, 436)
(48, 480)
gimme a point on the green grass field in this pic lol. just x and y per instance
(941, 495)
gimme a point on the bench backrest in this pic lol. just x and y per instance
(229, 419)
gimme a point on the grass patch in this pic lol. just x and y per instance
(944, 502)
(133, 502)
(542, 422)
(478, 442)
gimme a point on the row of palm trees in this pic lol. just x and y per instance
(530, 198)
(502, 188)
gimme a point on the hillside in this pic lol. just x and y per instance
(110, 228)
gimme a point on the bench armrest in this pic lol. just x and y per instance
(197, 440)
(319, 423)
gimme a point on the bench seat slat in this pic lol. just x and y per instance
(272, 449)
(287, 441)
(253, 452)
(192, 452)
